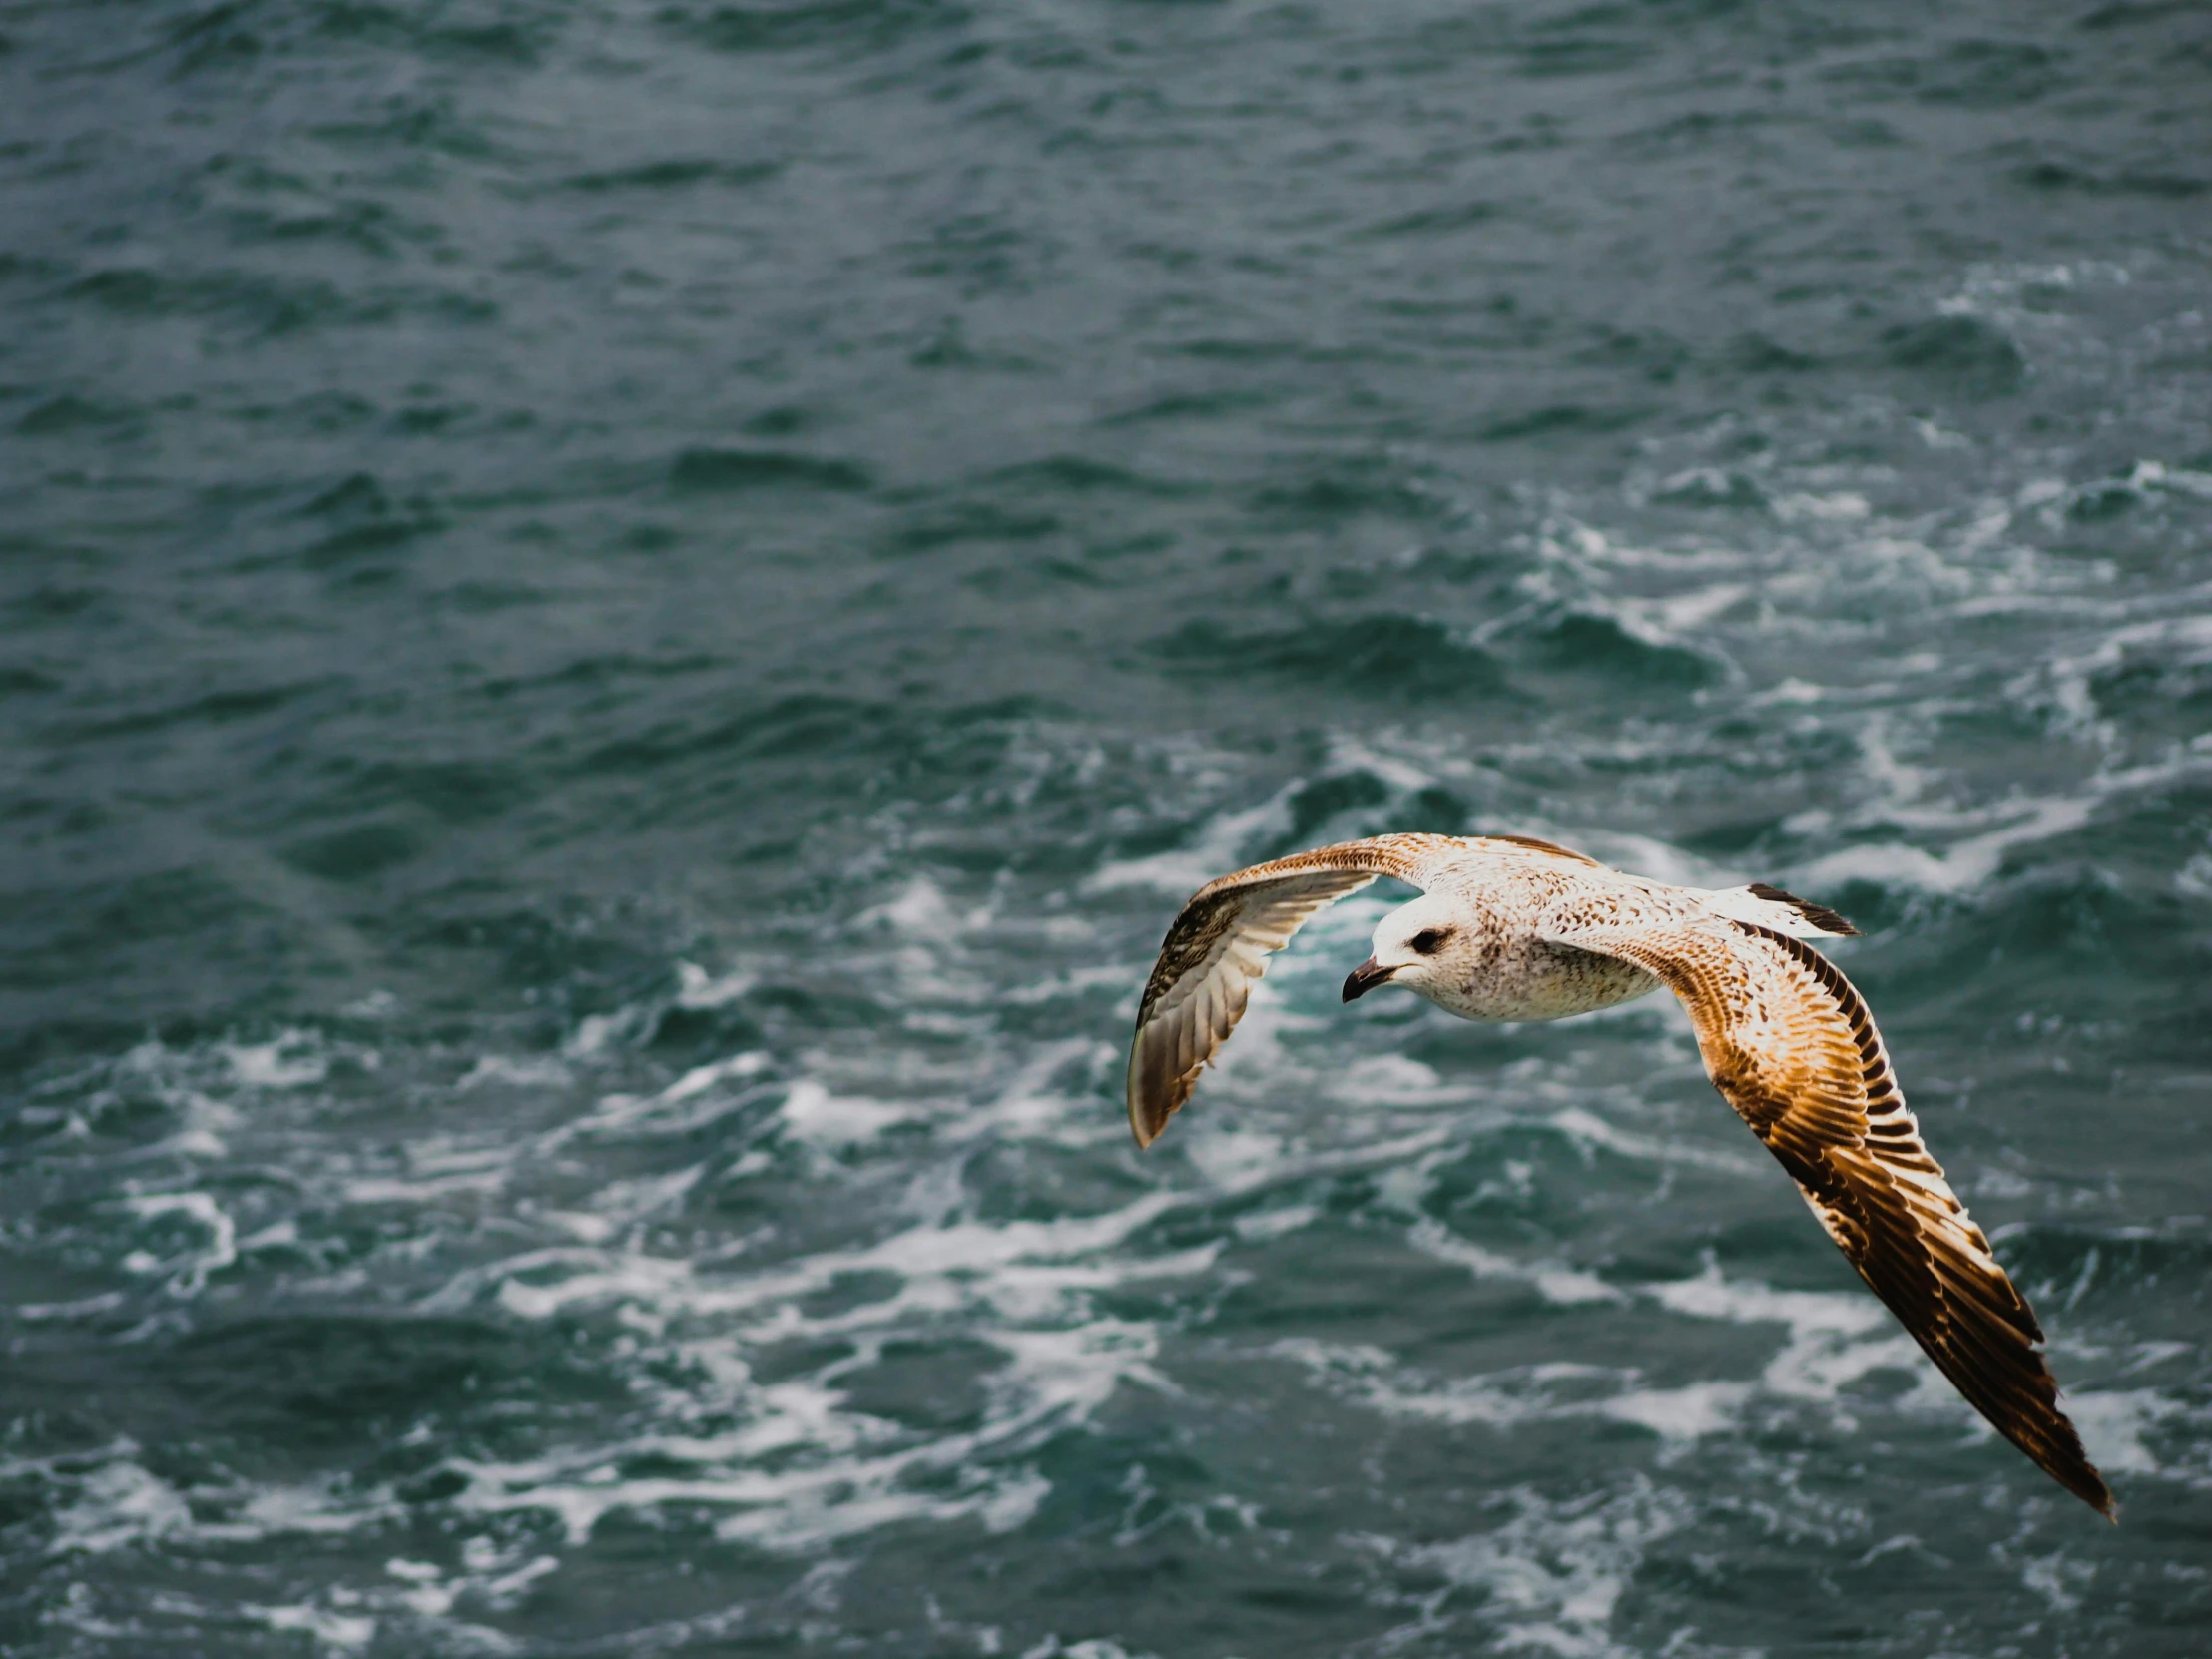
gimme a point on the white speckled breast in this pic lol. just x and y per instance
(1506, 970)
(1528, 980)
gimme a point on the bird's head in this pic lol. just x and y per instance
(1426, 946)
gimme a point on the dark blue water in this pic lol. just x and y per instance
(624, 624)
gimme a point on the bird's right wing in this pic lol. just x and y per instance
(1219, 945)
(1789, 1044)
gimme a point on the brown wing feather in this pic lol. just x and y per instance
(1553, 849)
(1219, 945)
(1789, 1044)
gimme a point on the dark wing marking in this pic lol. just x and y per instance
(1819, 916)
(1789, 1044)
(1219, 945)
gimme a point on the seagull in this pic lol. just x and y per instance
(1509, 927)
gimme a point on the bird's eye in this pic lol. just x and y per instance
(1430, 940)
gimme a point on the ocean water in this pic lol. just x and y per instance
(624, 624)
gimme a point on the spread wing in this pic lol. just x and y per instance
(1791, 1046)
(1219, 945)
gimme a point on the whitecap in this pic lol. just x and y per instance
(528, 1071)
(1093, 1647)
(188, 1273)
(596, 1035)
(1021, 1287)
(119, 1503)
(1586, 1127)
(1028, 1107)
(693, 1101)
(922, 911)
(2158, 475)
(1830, 507)
(1681, 1415)
(115, 1503)
(1218, 850)
(2113, 1424)
(697, 988)
(1552, 1576)
(2058, 1579)
(1831, 1339)
(1959, 867)
(811, 1113)
(290, 1060)
(1974, 861)
(1555, 1282)
(342, 1632)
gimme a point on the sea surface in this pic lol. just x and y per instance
(622, 623)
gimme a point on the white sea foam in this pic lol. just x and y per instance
(1683, 1415)
(1831, 1339)
(811, 1113)
(1028, 1107)
(698, 1098)
(1972, 860)
(2113, 1424)
(2158, 475)
(2058, 1579)
(1351, 752)
(119, 1503)
(1375, 1379)
(1072, 984)
(1551, 1577)
(188, 1273)
(1587, 1127)
(113, 1502)
(514, 1071)
(1092, 1647)
(697, 988)
(104, 1302)
(290, 1060)
(341, 1632)
(596, 1035)
(1555, 1282)
(1022, 1286)
(436, 1167)
(921, 910)
(1218, 850)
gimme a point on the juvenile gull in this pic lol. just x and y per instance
(1513, 928)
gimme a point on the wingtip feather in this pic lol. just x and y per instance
(1819, 916)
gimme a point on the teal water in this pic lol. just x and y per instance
(625, 623)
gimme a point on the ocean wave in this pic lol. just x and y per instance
(1551, 1575)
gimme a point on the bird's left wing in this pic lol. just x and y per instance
(1789, 1044)
(1219, 945)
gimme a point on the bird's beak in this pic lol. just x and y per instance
(1365, 978)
